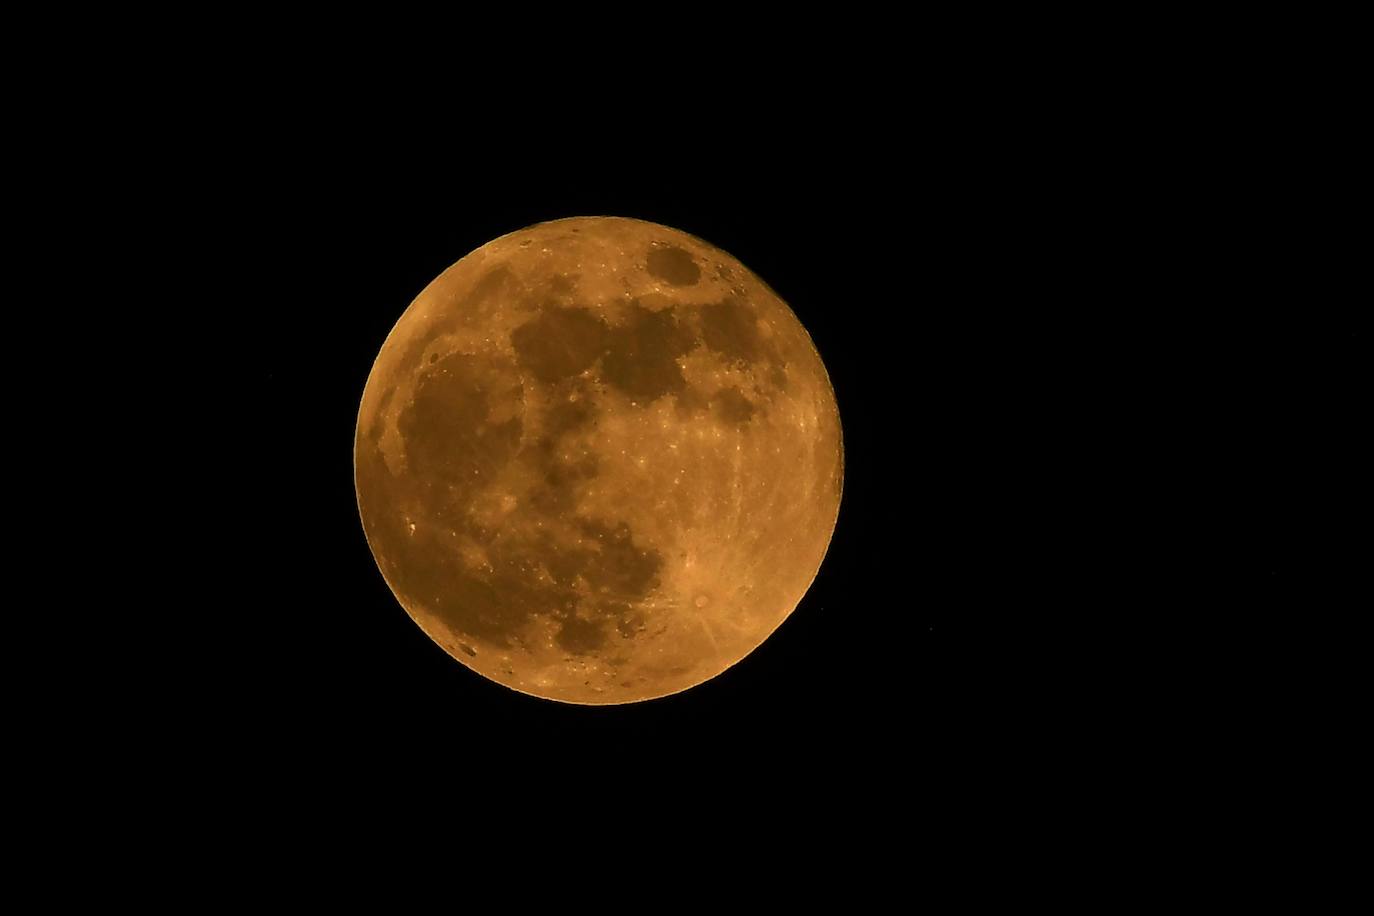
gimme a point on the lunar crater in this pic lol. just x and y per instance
(673, 265)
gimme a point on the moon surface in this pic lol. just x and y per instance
(598, 460)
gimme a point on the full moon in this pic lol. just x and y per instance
(598, 460)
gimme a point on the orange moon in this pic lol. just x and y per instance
(598, 460)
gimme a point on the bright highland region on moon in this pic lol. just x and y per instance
(598, 460)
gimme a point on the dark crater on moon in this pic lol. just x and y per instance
(732, 406)
(560, 342)
(728, 328)
(642, 361)
(638, 356)
(673, 265)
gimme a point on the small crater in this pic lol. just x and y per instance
(468, 649)
(732, 406)
(673, 265)
(731, 330)
(580, 637)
